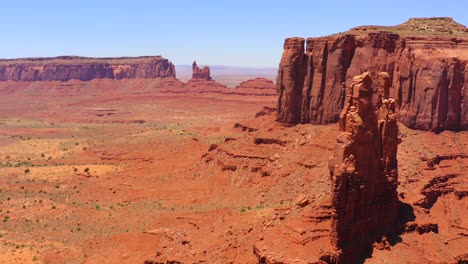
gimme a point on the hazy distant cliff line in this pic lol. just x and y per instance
(82, 68)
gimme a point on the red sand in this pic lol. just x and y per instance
(152, 192)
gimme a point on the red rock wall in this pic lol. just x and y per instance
(429, 77)
(85, 69)
(290, 80)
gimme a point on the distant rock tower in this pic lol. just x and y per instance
(364, 169)
(200, 73)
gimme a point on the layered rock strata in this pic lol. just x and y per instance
(425, 58)
(364, 169)
(81, 68)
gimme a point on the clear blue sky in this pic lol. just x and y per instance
(237, 32)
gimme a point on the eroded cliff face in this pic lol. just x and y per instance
(290, 80)
(428, 73)
(85, 69)
(364, 170)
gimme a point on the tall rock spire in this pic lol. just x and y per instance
(364, 169)
(200, 73)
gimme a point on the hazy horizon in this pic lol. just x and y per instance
(236, 34)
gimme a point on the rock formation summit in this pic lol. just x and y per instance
(200, 73)
(425, 58)
(82, 68)
(202, 82)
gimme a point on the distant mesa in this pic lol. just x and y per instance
(76, 69)
(200, 73)
(85, 69)
(256, 87)
(425, 58)
(202, 82)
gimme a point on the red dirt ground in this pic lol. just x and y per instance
(127, 178)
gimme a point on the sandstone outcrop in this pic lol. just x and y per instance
(256, 87)
(295, 216)
(81, 68)
(364, 170)
(202, 82)
(198, 73)
(204, 86)
(425, 58)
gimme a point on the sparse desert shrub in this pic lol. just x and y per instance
(245, 208)
(26, 170)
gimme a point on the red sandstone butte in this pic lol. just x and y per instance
(256, 87)
(198, 73)
(425, 58)
(202, 82)
(82, 68)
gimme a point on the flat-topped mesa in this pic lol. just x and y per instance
(364, 169)
(200, 73)
(82, 68)
(425, 58)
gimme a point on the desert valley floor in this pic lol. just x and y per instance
(196, 179)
